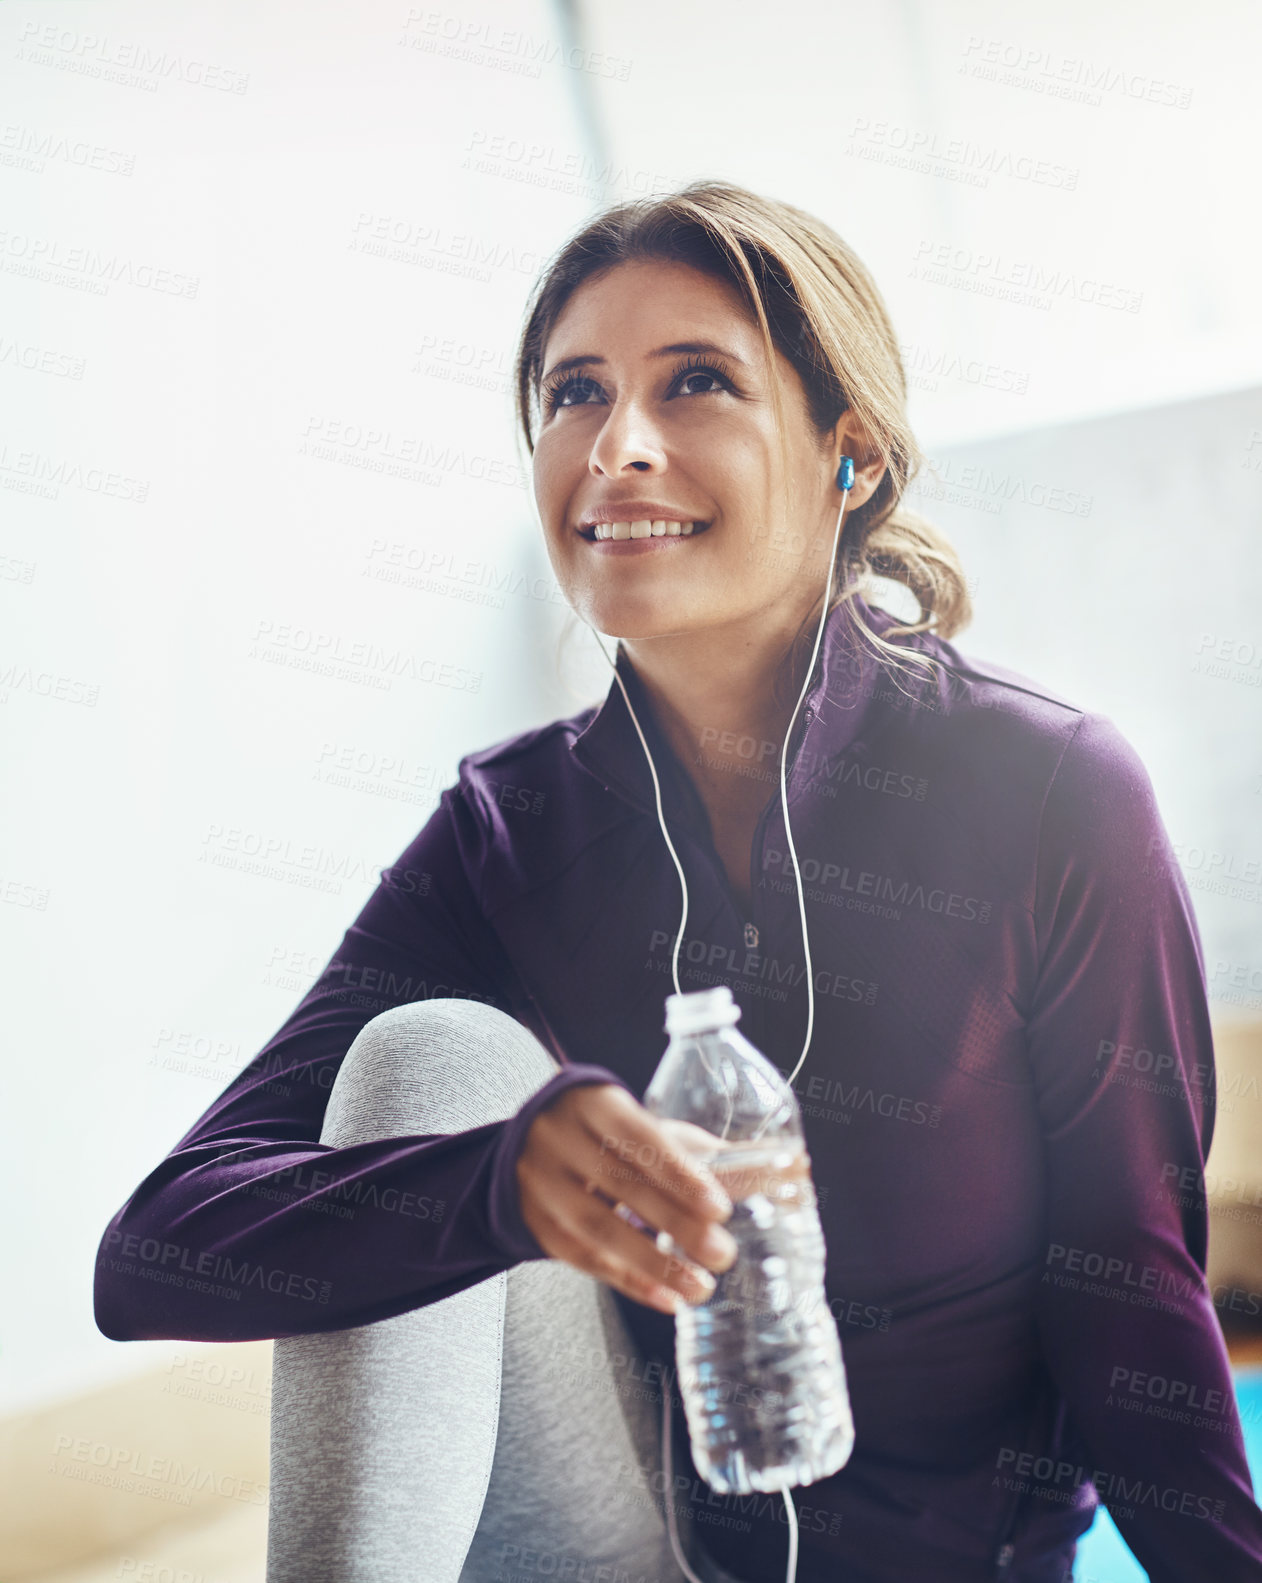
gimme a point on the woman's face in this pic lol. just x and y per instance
(665, 411)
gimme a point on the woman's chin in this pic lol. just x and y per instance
(638, 618)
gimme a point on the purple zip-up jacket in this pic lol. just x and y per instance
(1010, 1078)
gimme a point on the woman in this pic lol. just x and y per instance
(996, 926)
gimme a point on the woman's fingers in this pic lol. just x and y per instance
(789, 1161)
(634, 1159)
(596, 1164)
(668, 1170)
(601, 1136)
(585, 1230)
(782, 1179)
(634, 1145)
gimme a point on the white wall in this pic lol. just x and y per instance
(188, 300)
(122, 941)
(1089, 205)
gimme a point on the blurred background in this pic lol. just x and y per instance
(262, 271)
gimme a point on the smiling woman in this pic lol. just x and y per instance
(705, 359)
(678, 384)
(986, 901)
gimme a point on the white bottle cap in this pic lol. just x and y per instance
(701, 1010)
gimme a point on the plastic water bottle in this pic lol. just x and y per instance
(759, 1362)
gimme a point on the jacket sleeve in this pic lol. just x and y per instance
(251, 1228)
(1123, 1064)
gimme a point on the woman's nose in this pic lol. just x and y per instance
(628, 438)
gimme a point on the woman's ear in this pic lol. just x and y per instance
(851, 439)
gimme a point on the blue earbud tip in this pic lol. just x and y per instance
(845, 473)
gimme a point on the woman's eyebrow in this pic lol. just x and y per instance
(586, 358)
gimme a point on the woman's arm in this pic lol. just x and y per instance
(242, 1232)
(1121, 1051)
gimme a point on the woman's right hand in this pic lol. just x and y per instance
(596, 1147)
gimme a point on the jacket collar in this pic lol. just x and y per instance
(828, 722)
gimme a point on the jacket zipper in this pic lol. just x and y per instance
(751, 930)
(760, 831)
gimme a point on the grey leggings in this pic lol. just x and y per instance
(502, 1435)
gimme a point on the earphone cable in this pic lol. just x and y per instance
(791, 1510)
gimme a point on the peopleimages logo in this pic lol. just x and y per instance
(1160, 1388)
(766, 969)
(882, 889)
(171, 1262)
(1053, 1480)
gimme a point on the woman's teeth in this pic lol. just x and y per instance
(644, 530)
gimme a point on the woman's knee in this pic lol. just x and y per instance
(434, 1066)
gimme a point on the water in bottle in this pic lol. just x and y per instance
(759, 1362)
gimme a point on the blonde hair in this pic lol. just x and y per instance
(816, 303)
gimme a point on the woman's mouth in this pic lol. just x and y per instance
(622, 536)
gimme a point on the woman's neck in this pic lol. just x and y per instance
(725, 723)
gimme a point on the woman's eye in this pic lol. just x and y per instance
(572, 386)
(696, 368)
(580, 386)
(697, 374)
